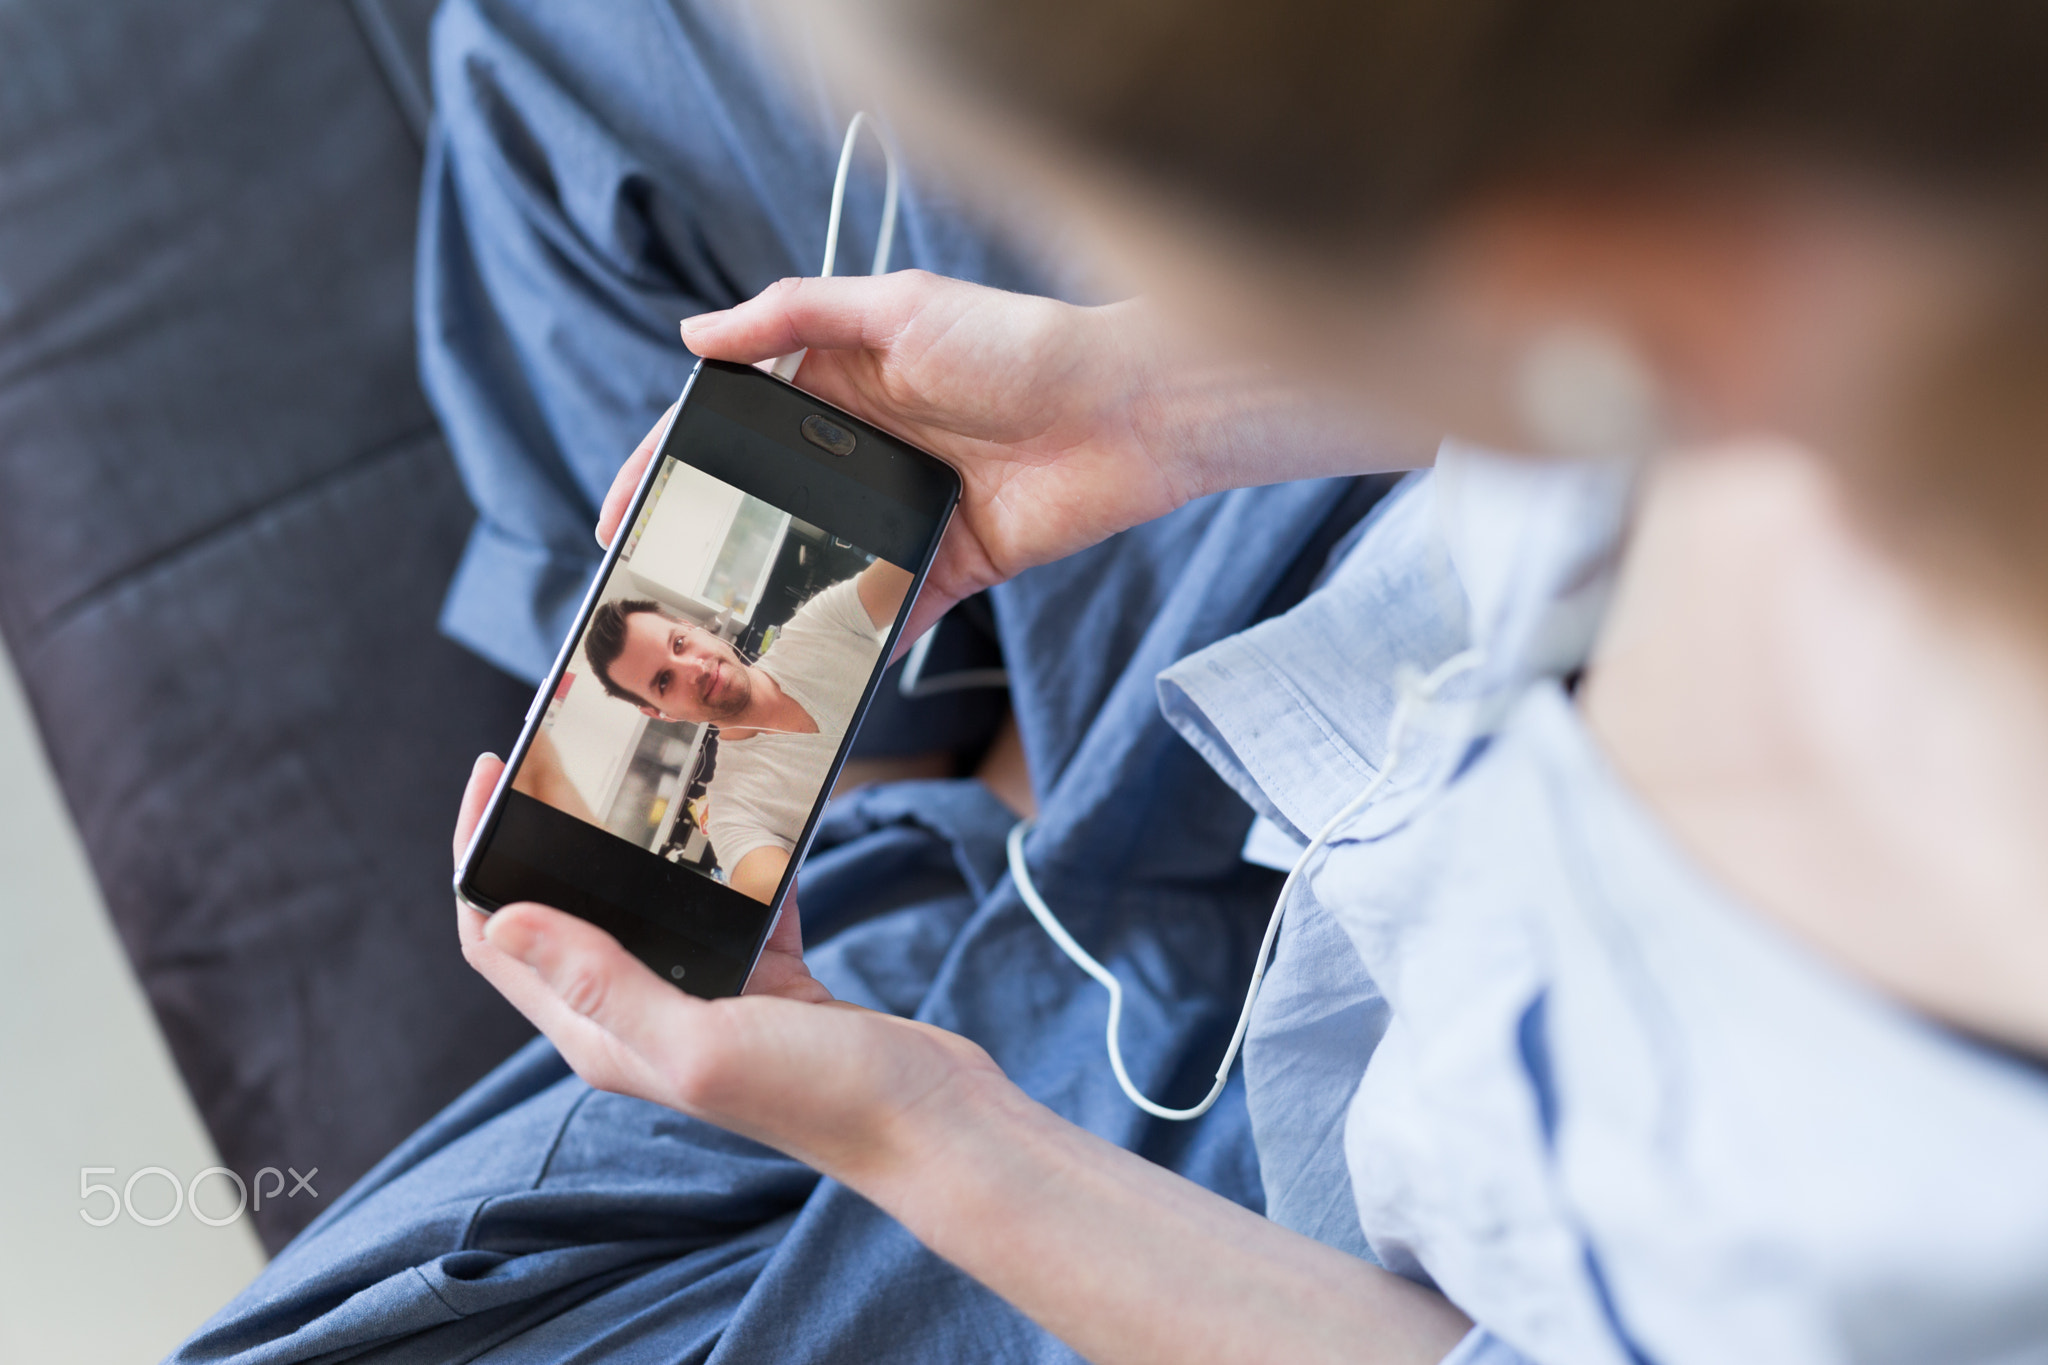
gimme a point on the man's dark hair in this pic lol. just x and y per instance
(606, 640)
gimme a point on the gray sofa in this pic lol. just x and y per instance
(226, 521)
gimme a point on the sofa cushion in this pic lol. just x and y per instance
(226, 521)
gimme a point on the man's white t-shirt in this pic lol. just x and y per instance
(763, 787)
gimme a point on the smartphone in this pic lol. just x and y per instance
(672, 768)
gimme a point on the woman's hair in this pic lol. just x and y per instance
(1325, 119)
(1350, 124)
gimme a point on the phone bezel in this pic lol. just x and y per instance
(800, 404)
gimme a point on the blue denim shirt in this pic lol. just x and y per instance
(1515, 1043)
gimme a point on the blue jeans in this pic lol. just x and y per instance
(596, 176)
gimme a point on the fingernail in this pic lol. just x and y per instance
(693, 325)
(485, 757)
(512, 938)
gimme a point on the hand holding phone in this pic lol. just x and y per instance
(819, 1083)
(673, 765)
(1067, 424)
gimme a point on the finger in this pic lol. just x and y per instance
(483, 776)
(924, 614)
(587, 977)
(469, 927)
(788, 934)
(601, 1059)
(628, 478)
(510, 977)
(586, 1043)
(961, 569)
(855, 313)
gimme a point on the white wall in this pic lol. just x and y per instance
(595, 735)
(85, 1080)
(684, 533)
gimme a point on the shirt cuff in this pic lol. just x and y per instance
(512, 600)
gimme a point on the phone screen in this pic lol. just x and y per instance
(690, 733)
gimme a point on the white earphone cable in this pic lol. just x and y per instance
(1425, 689)
(786, 367)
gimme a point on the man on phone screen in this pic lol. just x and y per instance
(780, 718)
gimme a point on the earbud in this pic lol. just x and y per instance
(1583, 390)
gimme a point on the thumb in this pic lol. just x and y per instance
(601, 1006)
(862, 312)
